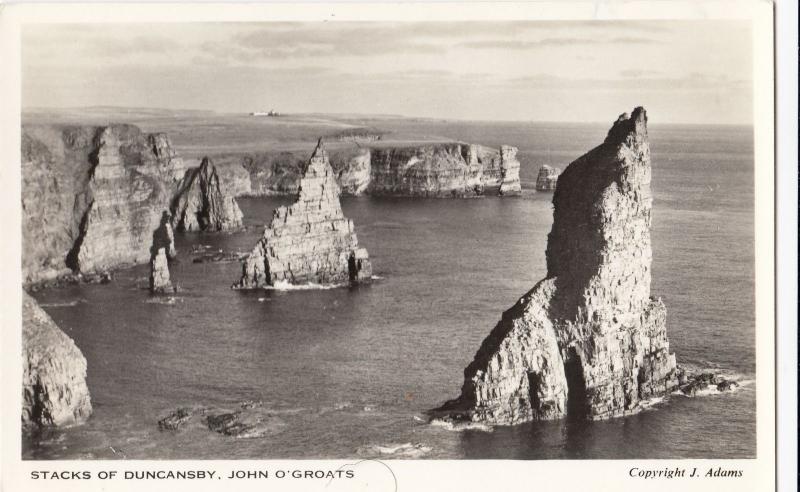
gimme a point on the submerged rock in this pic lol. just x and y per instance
(249, 421)
(311, 241)
(176, 419)
(54, 391)
(200, 205)
(588, 340)
(547, 178)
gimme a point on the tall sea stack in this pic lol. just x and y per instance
(587, 341)
(311, 241)
(200, 205)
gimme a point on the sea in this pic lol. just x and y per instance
(350, 372)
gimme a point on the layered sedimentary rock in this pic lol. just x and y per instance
(311, 241)
(547, 178)
(588, 340)
(161, 251)
(54, 391)
(92, 197)
(450, 169)
(200, 204)
(509, 171)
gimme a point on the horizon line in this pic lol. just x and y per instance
(356, 114)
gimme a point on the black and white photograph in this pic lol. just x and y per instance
(427, 239)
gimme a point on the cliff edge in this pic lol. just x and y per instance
(588, 341)
(54, 391)
(92, 197)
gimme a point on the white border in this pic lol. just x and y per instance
(422, 475)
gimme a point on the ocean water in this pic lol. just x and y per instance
(351, 371)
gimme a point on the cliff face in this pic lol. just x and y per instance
(588, 340)
(54, 391)
(443, 170)
(200, 205)
(92, 197)
(311, 241)
(547, 178)
(435, 169)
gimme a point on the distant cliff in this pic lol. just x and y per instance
(92, 197)
(420, 169)
(54, 391)
(588, 340)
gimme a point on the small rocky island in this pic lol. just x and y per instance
(587, 341)
(547, 178)
(311, 241)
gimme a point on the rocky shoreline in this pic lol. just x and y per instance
(588, 341)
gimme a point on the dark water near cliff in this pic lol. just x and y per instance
(349, 369)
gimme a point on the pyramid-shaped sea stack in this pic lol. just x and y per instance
(310, 242)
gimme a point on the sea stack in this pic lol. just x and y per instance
(54, 391)
(199, 205)
(547, 178)
(310, 242)
(162, 250)
(509, 171)
(587, 341)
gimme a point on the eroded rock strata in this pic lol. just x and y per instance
(310, 241)
(449, 169)
(92, 197)
(160, 282)
(588, 340)
(200, 204)
(547, 178)
(54, 391)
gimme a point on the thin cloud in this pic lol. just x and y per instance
(554, 42)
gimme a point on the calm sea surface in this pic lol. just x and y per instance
(351, 370)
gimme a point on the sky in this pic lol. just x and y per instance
(587, 71)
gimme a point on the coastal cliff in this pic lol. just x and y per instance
(200, 204)
(450, 169)
(587, 341)
(92, 197)
(310, 241)
(54, 391)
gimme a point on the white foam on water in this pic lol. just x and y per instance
(394, 450)
(62, 304)
(286, 286)
(461, 426)
(166, 301)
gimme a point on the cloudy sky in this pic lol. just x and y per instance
(682, 72)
